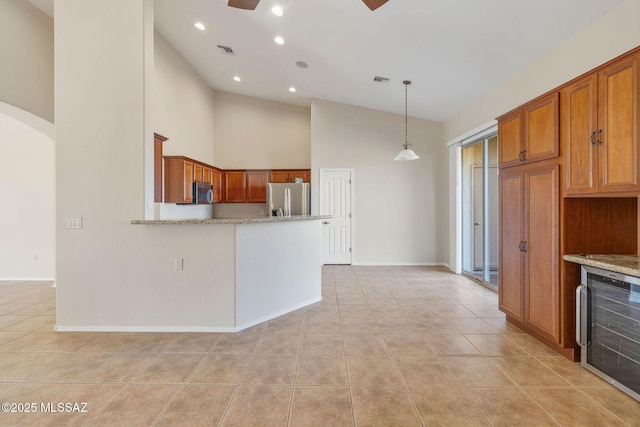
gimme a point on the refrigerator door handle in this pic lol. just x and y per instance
(581, 324)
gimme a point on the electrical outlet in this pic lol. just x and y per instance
(178, 264)
(74, 223)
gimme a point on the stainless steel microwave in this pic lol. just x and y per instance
(202, 194)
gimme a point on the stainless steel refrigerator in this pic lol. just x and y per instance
(299, 195)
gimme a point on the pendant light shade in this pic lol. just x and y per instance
(406, 153)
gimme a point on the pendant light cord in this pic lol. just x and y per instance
(405, 115)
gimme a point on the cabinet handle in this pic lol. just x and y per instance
(591, 138)
(520, 156)
(520, 246)
(524, 155)
(599, 135)
(524, 246)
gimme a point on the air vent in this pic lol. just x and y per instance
(381, 80)
(226, 49)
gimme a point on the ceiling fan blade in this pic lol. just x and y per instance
(244, 4)
(374, 4)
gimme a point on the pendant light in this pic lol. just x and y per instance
(406, 153)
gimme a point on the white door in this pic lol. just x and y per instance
(335, 200)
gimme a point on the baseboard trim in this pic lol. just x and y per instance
(400, 264)
(68, 328)
(277, 314)
(26, 279)
(60, 328)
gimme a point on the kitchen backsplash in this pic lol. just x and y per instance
(235, 210)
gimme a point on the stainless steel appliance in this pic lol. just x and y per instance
(608, 327)
(298, 194)
(202, 194)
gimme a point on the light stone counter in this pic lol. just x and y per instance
(247, 220)
(625, 264)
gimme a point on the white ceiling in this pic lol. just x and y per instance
(454, 51)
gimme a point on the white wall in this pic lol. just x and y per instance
(611, 35)
(111, 274)
(254, 133)
(183, 105)
(400, 210)
(27, 191)
(26, 55)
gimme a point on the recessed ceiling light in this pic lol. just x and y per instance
(292, 89)
(279, 40)
(237, 78)
(200, 26)
(277, 10)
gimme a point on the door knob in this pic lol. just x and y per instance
(325, 222)
(476, 223)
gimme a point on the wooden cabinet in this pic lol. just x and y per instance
(178, 179)
(600, 115)
(529, 247)
(257, 186)
(216, 181)
(229, 186)
(235, 186)
(530, 133)
(281, 175)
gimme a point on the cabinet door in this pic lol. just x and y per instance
(541, 270)
(510, 139)
(198, 172)
(305, 174)
(207, 178)
(578, 114)
(216, 181)
(510, 201)
(187, 182)
(279, 176)
(257, 186)
(540, 140)
(618, 121)
(235, 185)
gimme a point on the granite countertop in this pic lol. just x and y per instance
(625, 264)
(247, 220)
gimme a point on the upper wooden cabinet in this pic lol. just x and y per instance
(280, 175)
(230, 186)
(530, 133)
(600, 115)
(216, 181)
(178, 179)
(235, 186)
(257, 186)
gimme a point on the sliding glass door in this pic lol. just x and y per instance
(480, 209)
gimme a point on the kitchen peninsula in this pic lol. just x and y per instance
(261, 268)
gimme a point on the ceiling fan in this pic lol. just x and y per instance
(251, 4)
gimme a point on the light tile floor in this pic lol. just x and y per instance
(388, 346)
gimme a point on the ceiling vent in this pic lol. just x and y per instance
(381, 80)
(226, 49)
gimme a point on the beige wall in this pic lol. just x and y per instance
(112, 275)
(607, 37)
(182, 105)
(27, 191)
(610, 35)
(400, 211)
(254, 133)
(26, 55)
